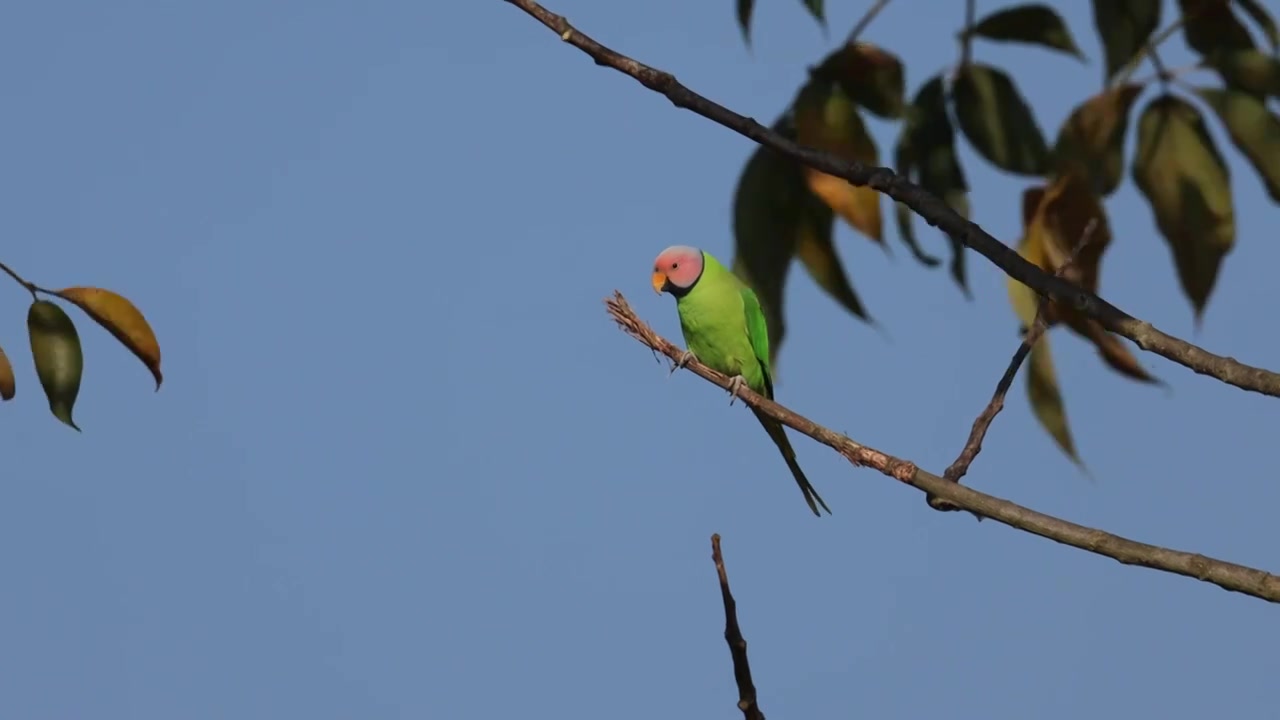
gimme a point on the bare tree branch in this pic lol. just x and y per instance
(737, 644)
(1229, 576)
(982, 424)
(932, 209)
(865, 21)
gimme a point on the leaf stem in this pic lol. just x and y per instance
(1149, 50)
(30, 286)
(966, 36)
(866, 19)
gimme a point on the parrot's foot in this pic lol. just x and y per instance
(736, 383)
(685, 359)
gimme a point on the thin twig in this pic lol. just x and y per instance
(1229, 576)
(932, 209)
(1149, 50)
(733, 637)
(865, 20)
(982, 424)
(966, 35)
(30, 286)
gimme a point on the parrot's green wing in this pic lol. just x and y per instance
(758, 332)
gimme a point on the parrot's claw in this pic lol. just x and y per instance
(736, 383)
(685, 359)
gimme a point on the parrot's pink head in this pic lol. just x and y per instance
(677, 269)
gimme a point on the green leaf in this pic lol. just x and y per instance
(766, 217)
(1254, 129)
(1091, 141)
(816, 10)
(1212, 25)
(1252, 71)
(1046, 399)
(870, 76)
(815, 246)
(1263, 19)
(745, 8)
(998, 122)
(926, 154)
(55, 347)
(1124, 26)
(1032, 23)
(1179, 170)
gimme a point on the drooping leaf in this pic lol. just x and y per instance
(744, 10)
(55, 347)
(122, 319)
(1264, 20)
(870, 76)
(926, 153)
(826, 119)
(1253, 128)
(1033, 23)
(1046, 398)
(1056, 219)
(1024, 300)
(1179, 170)
(766, 216)
(1251, 71)
(816, 9)
(1212, 25)
(1091, 141)
(7, 383)
(1124, 26)
(816, 249)
(998, 122)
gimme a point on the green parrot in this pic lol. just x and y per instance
(726, 331)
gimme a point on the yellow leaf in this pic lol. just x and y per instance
(997, 120)
(1091, 141)
(1046, 399)
(7, 384)
(827, 120)
(816, 249)
(55, 347)
(1055, 219)
(766, 213)
(122, 320)
(1179, 170)
(1253, 128)
(870, 76)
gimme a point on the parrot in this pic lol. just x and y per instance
(725, 329)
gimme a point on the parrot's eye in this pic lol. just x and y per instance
(675, 265)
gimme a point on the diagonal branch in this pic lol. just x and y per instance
(932, 209)
(737, 644)
(1229, 576)
(982, 424)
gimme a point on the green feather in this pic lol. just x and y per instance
(725, 328)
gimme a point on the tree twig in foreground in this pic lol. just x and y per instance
(1229, 576)
(737, 644)
(932, 209)
(982, 424)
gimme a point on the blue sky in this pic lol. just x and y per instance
(404, 466)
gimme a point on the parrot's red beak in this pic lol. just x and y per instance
(659, 281)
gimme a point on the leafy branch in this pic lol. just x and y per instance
(1061, 291)
(55, 342)
(1227, 575)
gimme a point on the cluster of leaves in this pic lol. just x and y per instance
(55, 342)
(784, 211)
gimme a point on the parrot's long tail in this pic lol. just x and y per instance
(779, 436)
